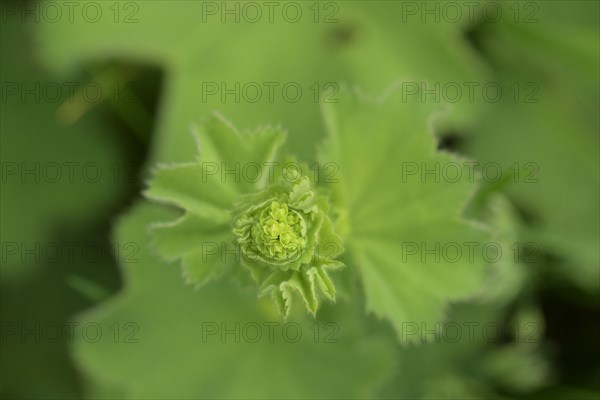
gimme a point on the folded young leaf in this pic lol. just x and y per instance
(244, 208)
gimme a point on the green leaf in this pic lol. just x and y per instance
(209, 186)
(198, 243)
(508, 277)
(202, 238)
(192, 188)
(372, 141)
(222, 145)
(320, 275)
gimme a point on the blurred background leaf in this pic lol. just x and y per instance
(200, 53)
(551, 127)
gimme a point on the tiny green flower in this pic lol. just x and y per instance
(272, 227)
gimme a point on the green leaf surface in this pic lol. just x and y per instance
(390, 211)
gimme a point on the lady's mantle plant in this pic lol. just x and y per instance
(272, 220)
(393, 212)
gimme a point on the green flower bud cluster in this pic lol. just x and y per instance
(278, 226)
(281, 232)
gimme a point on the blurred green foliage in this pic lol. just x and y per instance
(552, 125)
